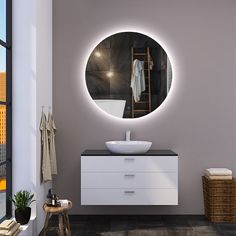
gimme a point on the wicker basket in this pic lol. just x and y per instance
(219, 199)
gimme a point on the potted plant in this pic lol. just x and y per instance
(22, 201)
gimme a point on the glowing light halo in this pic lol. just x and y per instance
(103, 35)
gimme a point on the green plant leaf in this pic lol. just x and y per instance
(22, 199)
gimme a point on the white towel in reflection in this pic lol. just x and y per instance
(137, 79)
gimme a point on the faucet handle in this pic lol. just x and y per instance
(127, 135)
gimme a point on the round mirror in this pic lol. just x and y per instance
(128, 75)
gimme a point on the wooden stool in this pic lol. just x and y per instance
(62, 212)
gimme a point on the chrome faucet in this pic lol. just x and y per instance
(127, 135)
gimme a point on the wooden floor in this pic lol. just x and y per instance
(188, 225)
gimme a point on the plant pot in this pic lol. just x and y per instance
(23, 217)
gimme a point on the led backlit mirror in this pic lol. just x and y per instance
(128, 75)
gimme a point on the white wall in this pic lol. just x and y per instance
(32, 88)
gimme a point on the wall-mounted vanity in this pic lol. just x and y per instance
(129, 179)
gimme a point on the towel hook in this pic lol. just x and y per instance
(42, 108)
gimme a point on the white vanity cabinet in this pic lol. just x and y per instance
(145, 179)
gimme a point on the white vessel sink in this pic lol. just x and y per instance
(128, 147)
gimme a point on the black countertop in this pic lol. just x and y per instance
(108, 153)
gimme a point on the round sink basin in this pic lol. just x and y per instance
(128, 147)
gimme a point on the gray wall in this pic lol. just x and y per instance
(197, 120)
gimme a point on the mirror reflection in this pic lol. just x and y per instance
(128, 75)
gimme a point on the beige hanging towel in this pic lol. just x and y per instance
(52, 147)
(46, 163)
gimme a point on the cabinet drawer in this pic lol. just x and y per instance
(129, 180)
(129, 197)
(129, 163)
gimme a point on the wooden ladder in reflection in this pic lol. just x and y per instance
(144, 106)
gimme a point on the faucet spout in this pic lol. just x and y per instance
(127, 135)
